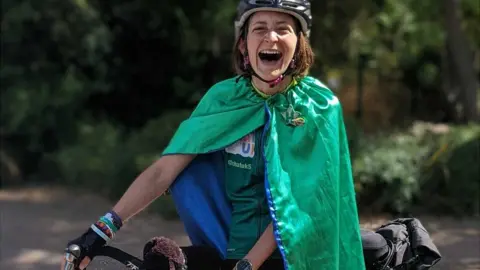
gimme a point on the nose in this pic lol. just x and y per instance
(271, 36)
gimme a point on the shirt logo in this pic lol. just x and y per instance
(244, 147)
(240, 165)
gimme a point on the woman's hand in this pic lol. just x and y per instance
(89, 242)
(263, 249)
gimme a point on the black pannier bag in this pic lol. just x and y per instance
(400, 244)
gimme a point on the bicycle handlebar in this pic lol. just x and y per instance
(71, 256)
(123, 257)
(131, 262)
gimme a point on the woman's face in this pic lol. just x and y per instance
(271, 43)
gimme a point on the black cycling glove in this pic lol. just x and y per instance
(89, 242)
(99, 233)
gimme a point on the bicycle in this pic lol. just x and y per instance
(129, 261)
(158, 253)
(400, 244)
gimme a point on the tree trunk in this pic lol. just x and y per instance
(461, 58)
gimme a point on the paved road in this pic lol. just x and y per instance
(35, 224)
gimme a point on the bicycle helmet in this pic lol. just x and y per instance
(300, 9)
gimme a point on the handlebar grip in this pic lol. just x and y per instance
(72, 253)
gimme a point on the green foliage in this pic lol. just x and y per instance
(471, 13)
(106, 160)
(147, 144)
(50, 51)
(395, 35)
(436, 170)
(388, 169)
(92, 90)
(98, 160)
(451, 182)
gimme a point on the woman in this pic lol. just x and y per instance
(260, 172)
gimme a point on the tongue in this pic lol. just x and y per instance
(269, 62)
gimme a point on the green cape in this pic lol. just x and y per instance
(308, 172)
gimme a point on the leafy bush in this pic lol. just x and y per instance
(452, 179)
(147, 144)
(425, 168)
(98, 160)
(45, 86)
(387, 169)
(105, 160)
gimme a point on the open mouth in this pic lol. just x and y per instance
(270, 56)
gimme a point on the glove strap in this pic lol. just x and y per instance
(100, 233)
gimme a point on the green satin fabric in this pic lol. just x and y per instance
(310, 185)
(311, 181)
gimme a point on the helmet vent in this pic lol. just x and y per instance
(263, 2)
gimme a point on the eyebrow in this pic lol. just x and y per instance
(265, 23)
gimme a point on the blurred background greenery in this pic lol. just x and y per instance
(92, 91)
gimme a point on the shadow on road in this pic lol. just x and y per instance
(36, 224)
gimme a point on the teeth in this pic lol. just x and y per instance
(270, 52)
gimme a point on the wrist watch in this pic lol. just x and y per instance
(243, 264)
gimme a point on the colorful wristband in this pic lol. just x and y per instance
(107, 225)
(114, 218)
(100, 233)
(105, 229)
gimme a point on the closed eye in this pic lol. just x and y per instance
(284, 30)
(259, 29)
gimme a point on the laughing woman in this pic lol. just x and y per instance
(260, 172)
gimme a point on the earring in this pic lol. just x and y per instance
(246, 62)
(292, 63)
